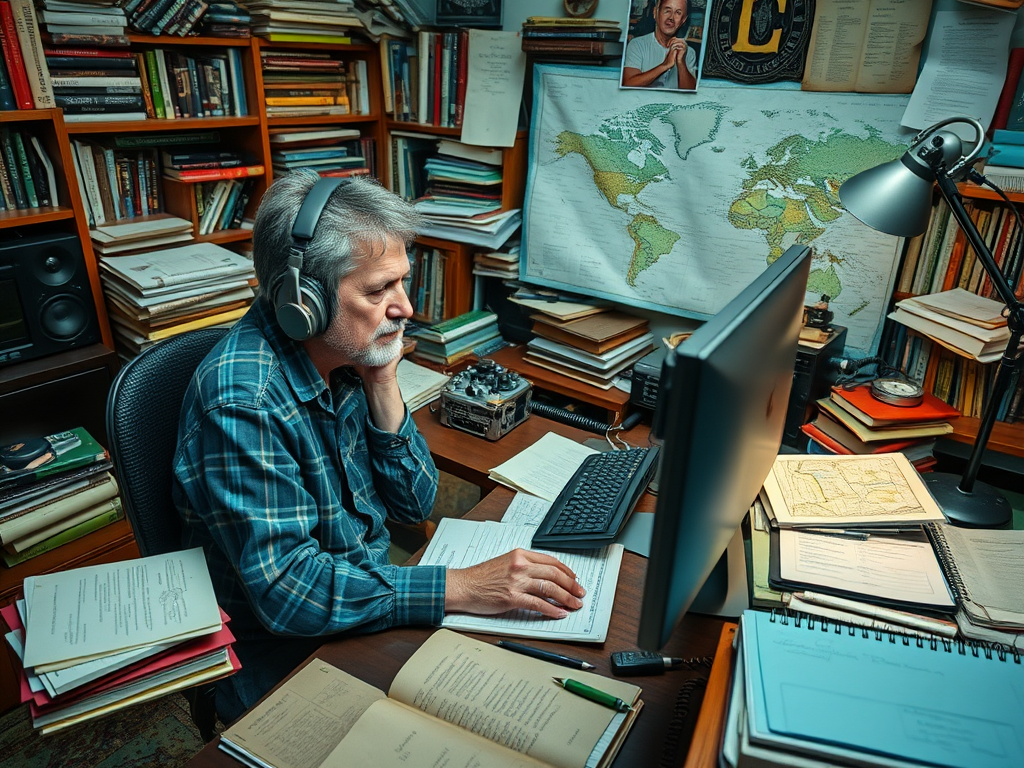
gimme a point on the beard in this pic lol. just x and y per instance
(374, 354)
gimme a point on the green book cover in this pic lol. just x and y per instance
(32, 459)
(26, 171)
(168, 139)
(13, 170)
(108, 516)
(155, 90)
(447, 330)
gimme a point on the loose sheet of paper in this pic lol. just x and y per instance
(526, 510)
(100, 609)
(544, 468)
(461, 543)
(883, 567)
(494, 88)
(964, 69)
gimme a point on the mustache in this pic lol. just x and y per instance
(389, 326)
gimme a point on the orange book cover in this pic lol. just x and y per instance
(955, 260)
(871, 411)
(215, 174)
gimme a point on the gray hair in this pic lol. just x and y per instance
(357, 220)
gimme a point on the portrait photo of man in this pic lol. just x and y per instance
(663, 48)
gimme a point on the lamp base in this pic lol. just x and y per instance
(984, 507)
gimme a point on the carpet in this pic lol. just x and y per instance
(158, 733)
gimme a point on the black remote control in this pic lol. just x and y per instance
(628, 663)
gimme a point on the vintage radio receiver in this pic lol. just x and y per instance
(486, 400)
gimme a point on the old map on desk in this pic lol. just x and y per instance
(876, 490)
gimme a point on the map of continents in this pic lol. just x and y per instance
(676, 201)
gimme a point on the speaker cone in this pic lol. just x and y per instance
(55, 263)
(64, 317)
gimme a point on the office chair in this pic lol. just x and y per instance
(142, 426)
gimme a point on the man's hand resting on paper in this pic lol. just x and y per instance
(518, 579)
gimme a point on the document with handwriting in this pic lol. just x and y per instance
(544, 468)
(461, 543)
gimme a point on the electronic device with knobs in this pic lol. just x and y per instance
(486, 400)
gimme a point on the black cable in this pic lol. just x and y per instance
(577, 420)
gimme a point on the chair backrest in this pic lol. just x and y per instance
(143, 408)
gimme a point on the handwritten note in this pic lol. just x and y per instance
(497, 66)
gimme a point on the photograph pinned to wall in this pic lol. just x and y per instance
(479, 14)
(664, 45)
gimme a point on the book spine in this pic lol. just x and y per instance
(6, 190)
(96, 62)
(220, 173)
(32, 53)
(164, 78)
(462, 78)
(147, 91)
(105, 197)
(39, 174)
(13, 57)
(13, 169)
(24, 169)
(88, 53)
(7, 100)
(70, 38)
(96, 82)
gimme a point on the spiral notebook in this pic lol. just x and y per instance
(839, 694)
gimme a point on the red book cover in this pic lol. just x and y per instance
(88, 52)
(955, 260)
(461, 77)
(12, 55)
(1005, 102)
(824, 440)
(215, 174)
(871, 411)
(436, 63)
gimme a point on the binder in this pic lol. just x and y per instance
(838, 693)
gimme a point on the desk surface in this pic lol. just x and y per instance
(377, 658)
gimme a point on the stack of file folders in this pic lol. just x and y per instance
(593, 349)
(53, 490)
(153, 296)
(814, 694)
(853, 421)
(97, 639)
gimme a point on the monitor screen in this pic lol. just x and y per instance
(721, 410)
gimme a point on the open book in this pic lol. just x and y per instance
(457, 701)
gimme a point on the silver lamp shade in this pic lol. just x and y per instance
(891, 198)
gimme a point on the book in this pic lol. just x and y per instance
(596, 334)
(874, 434)
(460, 343)
(963, 305)
(32, 52)
(871, 411)
(419, 385)
(841, 491)
(66, 536)
(965, 339)
(840, 59)
(831, 434)
(438, 719)
(449, 330)
(869, 680)
(13, 58)
(214, 174)
(34, 459)
(56, 527)
(40, 515)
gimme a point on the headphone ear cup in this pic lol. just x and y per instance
(316, 303)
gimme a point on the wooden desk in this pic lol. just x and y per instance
(377, 658)
(469, 457)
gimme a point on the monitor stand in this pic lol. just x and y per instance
(725, 591)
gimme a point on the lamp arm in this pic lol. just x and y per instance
(1014, 322)
(963, 162)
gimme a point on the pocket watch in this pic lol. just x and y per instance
(900, 392)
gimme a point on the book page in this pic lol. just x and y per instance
(881, 566)
(990, 565)
(834, 52)
(507, 698)
(299, 724)
(391, 735)
(544, 468)
(463, 543)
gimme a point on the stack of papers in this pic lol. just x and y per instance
(159, 294)
(419, 385)
(97, 639)
(142, 232)
(970, 325)
(544, 468)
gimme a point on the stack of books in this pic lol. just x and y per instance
(503, 263)
(143, 233)
(226, 19)
(970, 325)
(156, 295)
(96, 83)
(305, 21)
(27, 178)
(142, 629)
(572, 40)
(1006, 163)
(25, 79)
(451, 341)
(53, 490)
(593, 349)
(330, 151)
(167, 17)
(461, 183)
(82, 18)
(304, 83)
(853, 421)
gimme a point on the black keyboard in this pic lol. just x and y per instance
(595, 504)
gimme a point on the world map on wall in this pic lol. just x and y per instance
(675, 202)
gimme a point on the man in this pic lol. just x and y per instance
(291, 454)
(660, 59)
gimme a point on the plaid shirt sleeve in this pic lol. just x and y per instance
(309, 564)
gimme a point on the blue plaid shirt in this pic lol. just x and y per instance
(286, 483)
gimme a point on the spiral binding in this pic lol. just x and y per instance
(949, 566)
(963, 647)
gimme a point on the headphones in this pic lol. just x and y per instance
(300, 302)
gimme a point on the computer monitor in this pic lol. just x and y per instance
(721, 410)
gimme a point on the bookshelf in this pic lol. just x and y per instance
(1007, 437)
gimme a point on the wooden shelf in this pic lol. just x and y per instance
(166, 41)
(34, 216)
(291, 122)
(349, 48)
(27, 115)
(153, 126)
(974, 192)
(226, 236)
(1005, 438)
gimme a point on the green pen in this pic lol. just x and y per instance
(600, 697)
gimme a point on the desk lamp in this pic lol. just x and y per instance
(895, 198)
